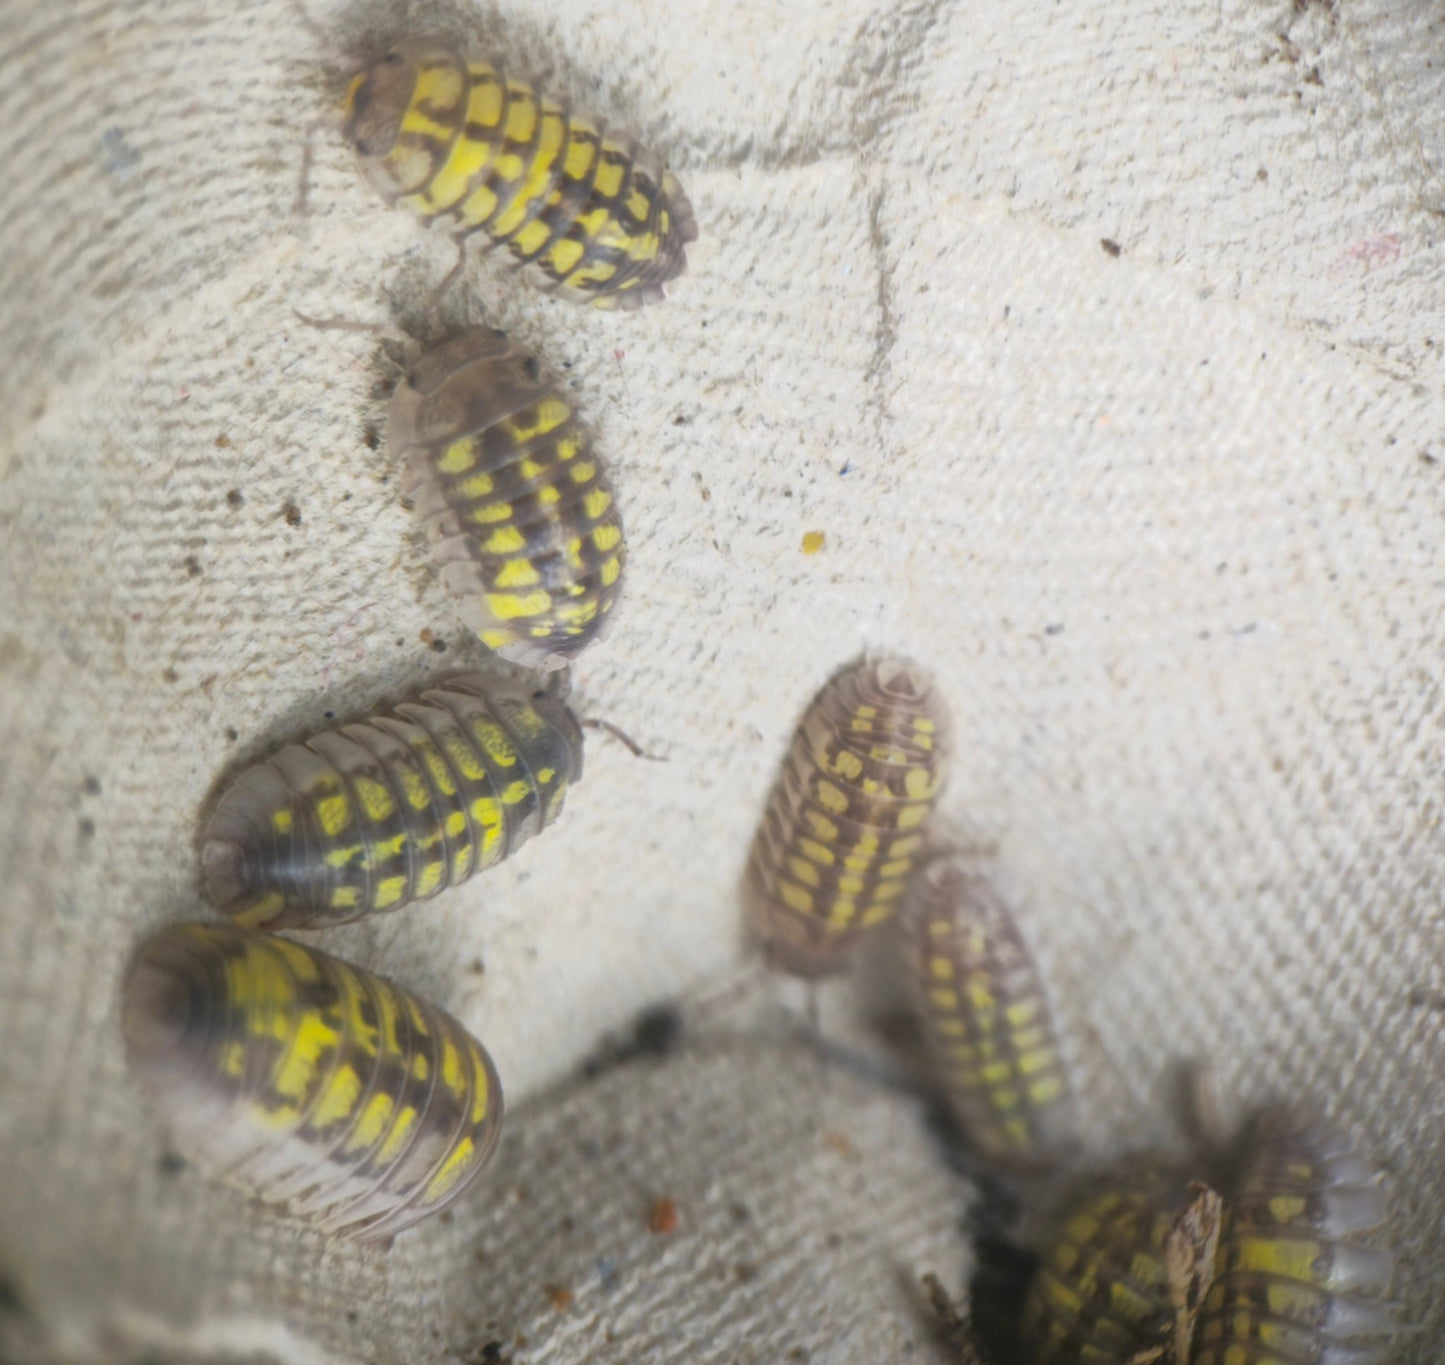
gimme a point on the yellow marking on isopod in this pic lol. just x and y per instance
(440, 85)
(420, 1070)
(876, 914)
(494, 741)
(372, 1123)
(462, 863)
(804, 871)
(583, 472)
(487, 812)
(508, 540)
(610, 572)
(512, 606)
(312, 1039)
(478, 206)
(567, 447)
(386, 1037)
(548, 496)
(388, 891)
(607, 537)
(846, 765)
(467, 159)
(980, 996)
(821, 826)
(481, 1090)
(281, 820)
(564, 256)
(490, 513)
(910, 817)
(464, 759)
(261, 911)
(478, 486)
(453, 1077)
(516, 792)
(919, 783)
(944, 998)
(233, 1059)
(829, 797)
(343, 857)
(941, 968)
(452, 1170)
(816, 852)
(459, 456)
(430, 878)
(334, 813)
(844, 911)
(795, 897)
(1046, 1089)
(528, 240)
(375, 798)
(1286, 1208)
(338, 1099)
(516, 573)
(344, 897)
(415, 121)
(595, 503)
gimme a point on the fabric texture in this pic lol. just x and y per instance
(1105, 347)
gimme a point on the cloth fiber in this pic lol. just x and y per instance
(1104, 346)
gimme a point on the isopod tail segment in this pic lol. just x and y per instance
(1302, 1274)
(847, 820)
(394, 809)
(515, 501)
(469, 151)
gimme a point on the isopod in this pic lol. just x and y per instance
(1123, 1268)
(986, 1014)
(847, 819)
(517, 506)
(313, 1084)
(1298, 1281)
(457, 143)
(375, 815)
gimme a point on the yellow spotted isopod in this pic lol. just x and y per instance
(846, 823)
(986, 1015)
(468, 150)
(516, 504)
(307, 1081)
(375, 815)
(1101, 1295)
(1299, 1280)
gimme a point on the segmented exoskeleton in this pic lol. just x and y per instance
(986, 1014)
(375, 815)
(1102, 1292)
(465, 149)
(518, 507)
(308, 1081)
(1297, 1281)
(845, 824)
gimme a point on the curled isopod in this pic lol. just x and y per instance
(1123, 1267)
(394, 809)
(986, 1014)
(846, 822)
(1299, 1281)
(518, 507)
(315, 1085)
(456, 143)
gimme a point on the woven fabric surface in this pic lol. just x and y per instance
(1106, 349)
